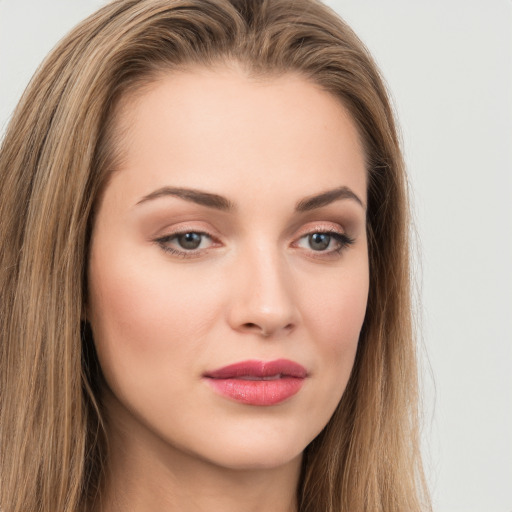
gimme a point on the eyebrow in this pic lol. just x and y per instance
(194, 196)
(325, 198)
(221, 203)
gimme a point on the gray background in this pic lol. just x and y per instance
(448, 64)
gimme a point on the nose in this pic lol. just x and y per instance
(263, 301)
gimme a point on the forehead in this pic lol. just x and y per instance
(220, 129)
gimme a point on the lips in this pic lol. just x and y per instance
(260, 383)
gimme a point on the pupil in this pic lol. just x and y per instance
(190, 240)
(319, 241)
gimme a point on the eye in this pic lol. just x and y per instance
(325, 241)
(185, 244)
(189, 241)
(319, 241)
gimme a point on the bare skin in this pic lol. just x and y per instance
(234, 230)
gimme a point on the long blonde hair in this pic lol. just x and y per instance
(55, 159)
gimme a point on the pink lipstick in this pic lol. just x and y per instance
(258, 382)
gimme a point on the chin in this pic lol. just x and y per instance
(254, 458)
(259, 449)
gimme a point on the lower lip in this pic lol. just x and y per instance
(257, 392)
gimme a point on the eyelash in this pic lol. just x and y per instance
(193, 253)
(343, 242)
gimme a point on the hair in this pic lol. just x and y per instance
(55, 160)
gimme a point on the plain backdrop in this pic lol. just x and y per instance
(448, 64)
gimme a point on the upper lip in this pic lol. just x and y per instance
(259, 369)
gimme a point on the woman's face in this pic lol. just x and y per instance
(228, 273)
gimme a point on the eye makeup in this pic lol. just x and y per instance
(186, 244)
(189, 243)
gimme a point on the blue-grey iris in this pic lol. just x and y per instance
(319, 241)
(190, 240)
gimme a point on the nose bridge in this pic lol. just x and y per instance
(263, 299)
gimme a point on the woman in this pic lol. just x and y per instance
(205, 281)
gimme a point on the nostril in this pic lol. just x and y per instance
(251, 326)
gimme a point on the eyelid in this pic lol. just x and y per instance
(163, 240)
(334, 229)
(343, 240)
(185, 227)
(320, 227)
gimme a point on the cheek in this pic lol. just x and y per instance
(336, 310)
(145, 313)
(335, 314)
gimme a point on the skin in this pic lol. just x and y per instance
(253, 289)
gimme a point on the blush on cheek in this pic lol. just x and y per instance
(148, 308)
(338, 311)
